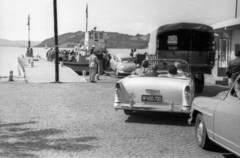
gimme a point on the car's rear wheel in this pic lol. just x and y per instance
(201, 133)
(127, 112)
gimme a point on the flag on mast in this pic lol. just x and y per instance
(87, 11)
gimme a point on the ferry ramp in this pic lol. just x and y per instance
(43, 71)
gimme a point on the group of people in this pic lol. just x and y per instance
(151, 70)
(64, 55)
(138, 58)
(105, 57)
(233, 71)
(94, 62)
(29, 51)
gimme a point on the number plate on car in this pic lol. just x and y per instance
(152, 98)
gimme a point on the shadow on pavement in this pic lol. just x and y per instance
(160, 118)
(218, 149)
(212, 90)
(16, 124)
(21, 142)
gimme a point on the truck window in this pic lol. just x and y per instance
(172, 42)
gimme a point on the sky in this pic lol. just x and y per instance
(124, 16)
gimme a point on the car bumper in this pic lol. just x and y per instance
(124, 72)
(157, 108)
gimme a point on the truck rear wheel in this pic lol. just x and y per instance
(199, 83)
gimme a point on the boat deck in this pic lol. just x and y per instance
(43, 71)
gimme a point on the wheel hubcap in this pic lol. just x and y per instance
(200, 132)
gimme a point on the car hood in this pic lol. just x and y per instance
(207, 105)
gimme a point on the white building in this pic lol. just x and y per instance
(227, 38)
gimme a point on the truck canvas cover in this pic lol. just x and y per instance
(173, 28)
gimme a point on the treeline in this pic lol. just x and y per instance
(114, 40)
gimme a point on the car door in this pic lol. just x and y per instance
(227, 122)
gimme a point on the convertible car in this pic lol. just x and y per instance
(217, 119)
(165, 92)
(122, 64)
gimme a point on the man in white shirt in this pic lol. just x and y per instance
(93, 62)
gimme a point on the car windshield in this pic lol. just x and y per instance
(127, 60)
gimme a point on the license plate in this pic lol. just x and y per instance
(152, 98)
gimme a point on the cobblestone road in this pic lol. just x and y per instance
(77, 120)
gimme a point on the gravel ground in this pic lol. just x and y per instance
(78, 120)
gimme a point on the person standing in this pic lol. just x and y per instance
(233, 68)
(131, 53)
(108, 61)
(93, 62)
(237, 88)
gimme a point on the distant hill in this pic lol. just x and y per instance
(114, 40)
(19, 43)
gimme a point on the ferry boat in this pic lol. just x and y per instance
(92, 39)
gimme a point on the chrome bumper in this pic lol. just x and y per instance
(143, 107)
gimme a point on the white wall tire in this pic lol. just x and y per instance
(201, 133)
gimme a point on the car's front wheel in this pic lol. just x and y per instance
(127, 112)
(201, 133)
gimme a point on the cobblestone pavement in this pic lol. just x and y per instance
(59, 120)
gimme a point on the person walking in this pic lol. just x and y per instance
(93, 62)
(233, 68)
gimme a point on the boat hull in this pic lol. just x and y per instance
(77, 67)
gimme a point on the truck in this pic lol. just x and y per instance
(192, 42)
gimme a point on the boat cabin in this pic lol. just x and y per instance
(96, 38)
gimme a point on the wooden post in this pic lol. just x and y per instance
(11, 76)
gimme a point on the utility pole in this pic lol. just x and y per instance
(56, 41)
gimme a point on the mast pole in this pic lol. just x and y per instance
(29, 43)
(86, 17)
(236, 9)
(56, 41)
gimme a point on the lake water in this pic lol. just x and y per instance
(9, 55)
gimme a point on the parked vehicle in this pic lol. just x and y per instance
(217, 119)
(191, 42)
(165, 92)
(122, 64)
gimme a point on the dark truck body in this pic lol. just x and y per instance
(191, 42)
